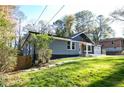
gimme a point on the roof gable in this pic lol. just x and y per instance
(81, 37)
(77, 34)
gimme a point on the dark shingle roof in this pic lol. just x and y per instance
(75, 34)
(54, 36)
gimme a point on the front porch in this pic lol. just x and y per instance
(86, 49)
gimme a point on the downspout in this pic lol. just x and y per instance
(101, 49)
(34, 55)
(29, 50)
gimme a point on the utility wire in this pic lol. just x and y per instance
(41, 14)
(54, 15)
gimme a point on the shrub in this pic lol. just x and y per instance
(7, 52)
(7, 59)
(42, 41)
(44, 55)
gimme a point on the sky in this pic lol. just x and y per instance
(98, 7)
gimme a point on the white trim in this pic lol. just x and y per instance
(85, 43)
(59, 38)
(77, 35)
(84, 34)
(65, 39)
(87, 50)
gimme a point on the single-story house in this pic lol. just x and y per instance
(76, 45)
(113, 45)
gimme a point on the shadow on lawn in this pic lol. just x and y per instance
(62, 74)
(113, 79)
(51, 77)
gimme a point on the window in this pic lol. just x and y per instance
(68, 45)
(112, 42)
(122, 42)
(85, 47)
(89, 48)
(73, 45)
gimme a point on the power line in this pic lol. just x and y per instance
(41, 14)
(55, 15)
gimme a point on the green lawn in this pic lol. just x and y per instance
(82, 71)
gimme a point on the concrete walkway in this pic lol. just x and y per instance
(51, 65)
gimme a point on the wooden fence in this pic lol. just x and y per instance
(23, 62)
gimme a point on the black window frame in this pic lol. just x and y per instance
(73, 45)
(69, 45)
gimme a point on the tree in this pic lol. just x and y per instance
(69, 21)
(43, 28)
(59, 27)
(7, 10)
(7, 52)
(29, 27)
(7, 36)
(64, 26)
(118, 14)
(40, 27)
(41, 42)
(96, 28)
(102, 29)
(19, 17)
(84, 21)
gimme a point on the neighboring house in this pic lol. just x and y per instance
(78, 44)
(113, 45)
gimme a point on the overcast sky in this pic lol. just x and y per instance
(104, 7)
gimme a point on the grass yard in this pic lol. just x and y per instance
(82, 72)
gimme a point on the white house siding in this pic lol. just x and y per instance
(59, 47)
